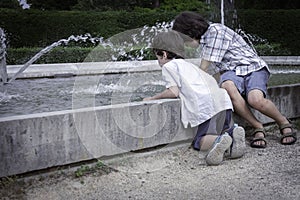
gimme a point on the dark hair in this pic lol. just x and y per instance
(170, 55)
(169, 41)
(191, 24)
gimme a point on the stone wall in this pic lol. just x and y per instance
(39, 141)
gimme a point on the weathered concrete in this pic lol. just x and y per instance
(92, 68)
(282, 60)
(86, 68)
(38, 141)
(287, 100)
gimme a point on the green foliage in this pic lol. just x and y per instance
(268, 4)
(116, 5)
(99, 164)
(34, 28)
(52, 4)
(12, 4)
(99, 168)
(267, 49)
(179, 6)
(84, 169)
(276, 26)
(94, 54)
(6, 181)
(57, 55)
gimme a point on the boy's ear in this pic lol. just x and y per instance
(165, 54)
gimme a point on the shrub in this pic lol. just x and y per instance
(57, 55)
(276, 26)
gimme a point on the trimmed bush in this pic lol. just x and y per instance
(34, 28)
(57, 55)
(277, 26)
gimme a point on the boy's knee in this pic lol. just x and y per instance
(229, 86)
(253, 102)
(227, 83)
(256, 99)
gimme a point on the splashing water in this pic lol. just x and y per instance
(121, 89)
(4, 97)
(24, 4)
(3, 70)
(50, 47)
(117, 46)
(44, 95)
(247, 37)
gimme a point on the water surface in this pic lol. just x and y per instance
(27, 96)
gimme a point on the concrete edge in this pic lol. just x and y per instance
(39, 141)
(95, 68)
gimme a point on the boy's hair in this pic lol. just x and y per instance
(190, 24)
(169, 41)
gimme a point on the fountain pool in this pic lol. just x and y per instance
(28, 96)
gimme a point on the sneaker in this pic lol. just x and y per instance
(238, 146)
(216, 153)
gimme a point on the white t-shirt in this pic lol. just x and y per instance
(201, 97)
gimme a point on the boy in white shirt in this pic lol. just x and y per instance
(203, 103)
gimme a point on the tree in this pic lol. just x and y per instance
(268, 4)
(52, 4)
(104, 5)
(179, 5)
(13, 4)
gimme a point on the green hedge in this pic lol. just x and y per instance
(277, 26)
(34, 28)
(70, 55)
(57, 55)
(16, 56)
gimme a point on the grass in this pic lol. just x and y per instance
(98, 168)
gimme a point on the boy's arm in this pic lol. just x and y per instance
(204, 64)
(171, 92)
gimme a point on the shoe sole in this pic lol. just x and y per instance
(216, 154)
(238, 143)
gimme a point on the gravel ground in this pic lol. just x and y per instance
(173, 172)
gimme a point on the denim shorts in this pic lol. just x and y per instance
(217, 125)
(255, 80)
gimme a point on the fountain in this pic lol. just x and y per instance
(97, 111)
(3, 70)
(50, 47)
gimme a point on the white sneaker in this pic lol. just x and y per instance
(238, 143)
(216, 153)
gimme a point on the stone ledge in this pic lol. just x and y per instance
(92, 68)
(39, 141)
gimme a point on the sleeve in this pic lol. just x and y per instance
(170, 76)
(215, 45)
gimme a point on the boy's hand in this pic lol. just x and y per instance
(147, 99)
(171, 92)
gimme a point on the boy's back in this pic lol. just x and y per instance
(199, 92)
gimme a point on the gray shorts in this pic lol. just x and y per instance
(255, 80)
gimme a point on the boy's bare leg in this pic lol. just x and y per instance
(257, 101)
(207, 141)
(241, 108)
